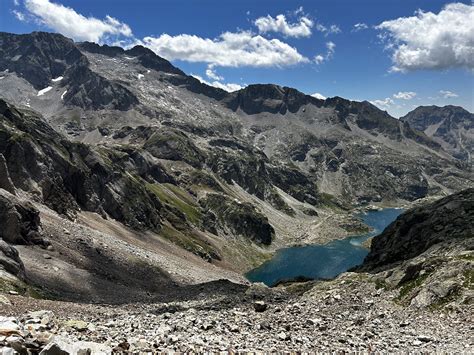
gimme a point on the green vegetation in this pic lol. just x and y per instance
(18, 137)
(468, 257)
(452, 296)
(468, 276)
(381, 284)
(190, 243)
(22, 289)
(409, 286)
(329, 201)
(299, 288)
(201, 179)
(174, 145)
(178, 198)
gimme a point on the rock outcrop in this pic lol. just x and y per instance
(447, 221)
(70, 176)
(427, 254)
(5, 180)
(19, 220)
(10, 261)
(237, 218)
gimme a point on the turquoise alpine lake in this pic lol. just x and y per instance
(322, 261)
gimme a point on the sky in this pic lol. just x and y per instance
(397, 54)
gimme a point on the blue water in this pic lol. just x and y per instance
(322, 261)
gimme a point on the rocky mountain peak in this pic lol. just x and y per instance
(104, 49)
(270, 98)
(451, 126)
(42, 58)
(37, 57)
(145, 56)
(424, 116)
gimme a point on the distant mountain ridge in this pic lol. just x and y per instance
(348, 149)
(451, 126)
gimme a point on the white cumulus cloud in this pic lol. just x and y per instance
(281, 25)
(229, 87)
(446, 94)
(67, 21)
(333, 29)
(404, 95)
(211, 73)
(359, 27)
(432, 41)
(383, 104)
(230, 49)
(319, 96)
(330, 49)
(19, 15)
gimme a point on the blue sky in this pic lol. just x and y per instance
(310, 45)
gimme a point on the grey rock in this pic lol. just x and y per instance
(53, 349)
(5, 180)
(8, 351)
(260, 306)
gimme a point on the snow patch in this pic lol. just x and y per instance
(148, 71)
(319, 96)
(64, 93)
(1, 77)
(129, 58)
(44, 91)
(140, 76)
(59, 78)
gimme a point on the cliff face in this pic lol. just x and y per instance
(448, 220)
(427, 253)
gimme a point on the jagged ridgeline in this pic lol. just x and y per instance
(126, 135)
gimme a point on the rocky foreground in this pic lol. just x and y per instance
(413, 293)
(347, 314)
(417, 300)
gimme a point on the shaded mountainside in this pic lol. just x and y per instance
(451, 126)
(428, 253)
(449, 220)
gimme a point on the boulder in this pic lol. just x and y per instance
(260, 306)
(20, 221)
(10, 260)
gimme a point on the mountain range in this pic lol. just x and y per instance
(141, 197)
(91, 130)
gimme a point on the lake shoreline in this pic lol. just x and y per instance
(323, 261)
